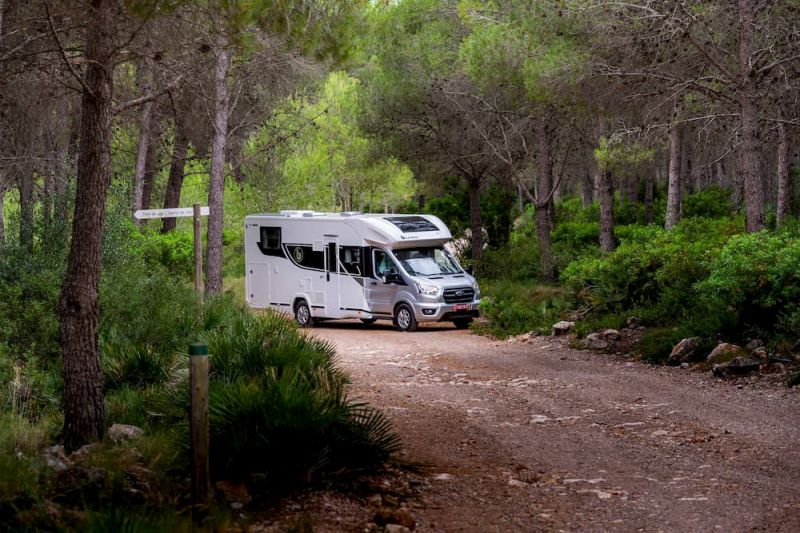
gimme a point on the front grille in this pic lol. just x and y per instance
(459, 295)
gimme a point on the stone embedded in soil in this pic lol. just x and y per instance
(119, 433)
(611, 335)
(684, 350)
(754, 344)
(562, 328)
(595, 341)
(737, 367)
(725, 352)
(396, 528)
(55, 458)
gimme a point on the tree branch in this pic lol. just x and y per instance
(69, 64)
(146, 98)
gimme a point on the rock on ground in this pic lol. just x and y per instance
(684, 350)
(725, 352)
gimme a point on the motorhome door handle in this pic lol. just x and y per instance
(373, 283)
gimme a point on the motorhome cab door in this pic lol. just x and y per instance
(332, 281)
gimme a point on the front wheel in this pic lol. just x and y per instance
(462, 323)
(404, 319)
(303, 315)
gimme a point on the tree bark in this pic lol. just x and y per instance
(145, 120)
(544, 202)
(753, 186)
(25, 186)
(674, 189)
(633, 188)
(475, 222)
(784, 204)
(151, 162)
(719, 174)
(84, 412)
(217, 178)
(605, 193)
(587, 193)
(649, 190)
(2, 211)
(172, 195)
(607, 240)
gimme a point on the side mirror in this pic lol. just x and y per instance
(468, 270)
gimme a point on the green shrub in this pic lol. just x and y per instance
(756, 276)
(278, 405)
(712, 202)
(512, 308)
(652, 269)
(173, 251)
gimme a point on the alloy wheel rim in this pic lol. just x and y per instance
(302, 314)
(403, 318)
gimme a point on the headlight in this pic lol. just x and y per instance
(428, 290)
(477, 292)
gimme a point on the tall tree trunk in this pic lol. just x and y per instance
(172, 195)
(605, 193)
(26, 207)
(475, 222)
(753, 186)
(719, 174)
(649, 192)
(151, 161)
(84, 412)
(674, 189)
(784, 204)
(607, 240)
(145, 122)
(633, 188)
(685, 179)
(2, 209)
(587, 193)
(544, 202)
(215, 187)
(47, 198)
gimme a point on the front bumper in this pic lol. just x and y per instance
(438, 312)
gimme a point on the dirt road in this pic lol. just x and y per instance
(540, 437)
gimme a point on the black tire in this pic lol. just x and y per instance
(368, 321)
(462, 323)
(302, 314)
(404, 319)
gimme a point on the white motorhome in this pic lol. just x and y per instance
(351, 265)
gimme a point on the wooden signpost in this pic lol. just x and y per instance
(198, 362)
(196, 211)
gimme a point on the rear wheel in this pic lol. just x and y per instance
(462, 323)
(303, 314)
(368, 321)
(404, 319)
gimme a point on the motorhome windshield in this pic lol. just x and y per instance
(428, 261)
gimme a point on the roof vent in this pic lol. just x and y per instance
(350, 213)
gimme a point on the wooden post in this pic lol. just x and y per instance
(198, 253)
(198, 376)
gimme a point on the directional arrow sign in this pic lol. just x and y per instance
(168, 213)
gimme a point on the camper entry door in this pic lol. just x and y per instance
(332, 281)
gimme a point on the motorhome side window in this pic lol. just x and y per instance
(383, 263)
(350, 257)
(306, 257)
(270, 243)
